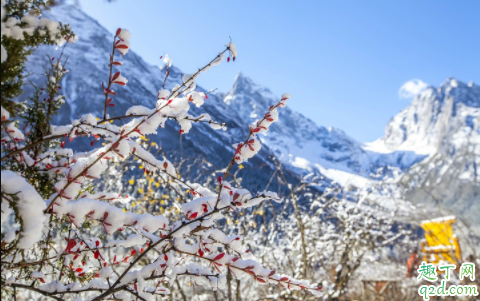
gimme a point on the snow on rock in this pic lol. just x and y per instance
(434, 114)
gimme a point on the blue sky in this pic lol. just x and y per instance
(343, 62)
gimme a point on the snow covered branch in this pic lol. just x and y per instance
(80, 240)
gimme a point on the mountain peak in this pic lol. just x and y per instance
(247, 96)
(239, 76)
(451, 82)
(245, 85)
(460, 92)
(433, 117)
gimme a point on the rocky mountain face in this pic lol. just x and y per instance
(439, 130)
(437, 119)
(444, 123)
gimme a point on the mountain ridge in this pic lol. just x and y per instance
(303, 145)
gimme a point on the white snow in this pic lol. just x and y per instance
(30, 206)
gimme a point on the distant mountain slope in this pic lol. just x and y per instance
(305, 145)
(88, 59)
(431, 134)
(294, 134)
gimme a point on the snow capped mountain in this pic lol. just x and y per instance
(293, 138)
(434, 116)
(442, 123)
(87, 62)
(437, 132)
(294, 134)
(309, 147)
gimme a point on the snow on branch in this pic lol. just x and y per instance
(81, 240)
(28, 204)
